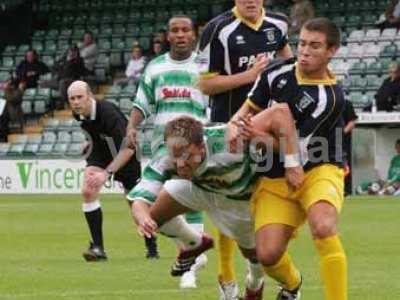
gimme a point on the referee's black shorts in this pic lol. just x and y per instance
(128, 176)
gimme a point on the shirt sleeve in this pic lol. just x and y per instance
(145, 97)
(211, 52)
(283, 25)
(259, 96)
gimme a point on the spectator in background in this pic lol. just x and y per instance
(161, 37)
(88, 51)
(391, 16)
(388, 95)
(349, 118)
(135, 67)
(13, 94)
(156, 50)
(300, 12)
(392, 184)
(29, 70)
(69, 68)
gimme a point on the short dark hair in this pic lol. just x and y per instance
(186, 128)
(181, 16)
(327, 27)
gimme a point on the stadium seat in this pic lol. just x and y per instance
(34, 138)
(374, 82)
(75, 149)
(49, 137)
(342, 52)
(26, 107)
(45, 149)
(114, 91)
(125, 104)
(63, 137)
(128, 91)
(39, 107)
(31, 149)
(78, 137)
(7, 63)
(22, 49)
(356, 36)
(358, 68)
(60, 148)
(371, 50)
(357, 83)
(375, 68)
(356, 51)
(29, 94)
(389, 51)
(372, 35)
(16, 150)
(4, 148)
(388, 34)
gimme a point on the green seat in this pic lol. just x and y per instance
(146, 30)
(26, 107)
(60, 148)
(144, 42)
(34, 139)
(7, 63)
(49, 137)
(16, 150)
(358, 83)
(45, 149)
(63, 137)
(22, 49)
(29, 94)
(104, 44)
(38, 46)
(75, 149)
(375, 68)
(125, 104)
(389, 51)
(128, 91)
(52, 124)
(4, 148)
(31, 149)
(4, 75)
(114, 91)
(10, 50)
(78, 137)
(39, 107)
(48, 60)
(374, 82)
(358, 68)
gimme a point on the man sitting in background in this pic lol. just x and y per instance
(388, 95)
(392, 184)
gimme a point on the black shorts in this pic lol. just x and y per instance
(129, 175)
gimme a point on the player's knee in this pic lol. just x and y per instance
(323, 228)
(268, 256)
(88, 194)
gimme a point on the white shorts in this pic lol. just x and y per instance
(232, 217)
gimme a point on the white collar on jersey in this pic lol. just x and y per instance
(2, 106)
(92, 111)
(190, 58)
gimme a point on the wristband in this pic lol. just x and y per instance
(292, 160)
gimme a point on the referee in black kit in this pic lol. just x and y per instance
(106, 126)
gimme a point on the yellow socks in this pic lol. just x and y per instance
(226, 252)
(333, 264)
(285, 272)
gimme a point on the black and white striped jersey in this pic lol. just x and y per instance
(316, 106)
(230, 45)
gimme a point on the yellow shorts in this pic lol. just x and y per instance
(272, 203)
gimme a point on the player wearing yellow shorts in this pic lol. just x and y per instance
(280, 203)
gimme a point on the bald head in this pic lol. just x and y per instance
(80, 98)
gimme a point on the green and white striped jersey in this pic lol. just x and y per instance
(168, 89)
(221, 172)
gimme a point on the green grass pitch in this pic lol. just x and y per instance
(42, 237)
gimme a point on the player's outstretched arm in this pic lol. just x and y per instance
(221, 83)
(141, 215)
(135, 119)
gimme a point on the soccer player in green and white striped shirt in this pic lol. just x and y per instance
(211, 178)
(167, 89)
